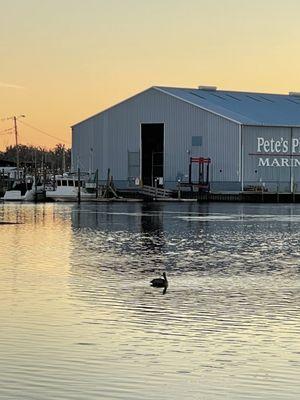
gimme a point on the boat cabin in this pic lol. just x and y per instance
(68, 182)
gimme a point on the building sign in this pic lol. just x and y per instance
(280, 152)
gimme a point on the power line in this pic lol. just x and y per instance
(43, 132)
(6, 131)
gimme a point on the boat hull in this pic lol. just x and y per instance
(12, 195)
(68, 197)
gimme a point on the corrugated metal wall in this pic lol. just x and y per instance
(296, 170)
(114, 133)
(275, 178)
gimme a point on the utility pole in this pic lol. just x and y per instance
(79, 187)
(17, 146)
(14, 118)
(63, 160)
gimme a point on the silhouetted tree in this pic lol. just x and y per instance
(56, 159)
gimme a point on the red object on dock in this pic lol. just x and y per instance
(203, 173)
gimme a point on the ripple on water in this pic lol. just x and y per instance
(79, 319)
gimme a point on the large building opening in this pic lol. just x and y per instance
(152, 141)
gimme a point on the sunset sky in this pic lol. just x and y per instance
(64, 60)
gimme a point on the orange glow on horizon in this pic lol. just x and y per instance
(68, 60)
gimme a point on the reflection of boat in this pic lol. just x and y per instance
(65, 188)
(24, 190)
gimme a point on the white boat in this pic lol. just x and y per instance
(16, 195)
(24, 190)
(65, 188)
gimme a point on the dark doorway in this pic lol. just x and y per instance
(152, 153)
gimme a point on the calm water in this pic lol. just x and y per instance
(78, 319)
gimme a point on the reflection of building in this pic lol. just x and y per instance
(152, 218)
(253, 139)
(114, 217)
(152, 227)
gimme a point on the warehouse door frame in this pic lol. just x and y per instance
(152, 158)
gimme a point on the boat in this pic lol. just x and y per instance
(65, 187)
(25, 190)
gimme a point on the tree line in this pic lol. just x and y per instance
(33, 157)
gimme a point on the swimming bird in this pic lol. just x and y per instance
(160, 282)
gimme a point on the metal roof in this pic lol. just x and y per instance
(244, 108)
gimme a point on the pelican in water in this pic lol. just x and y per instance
(160, 282)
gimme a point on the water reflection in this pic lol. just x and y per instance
(193, 237)
(152, 228)
(77, 306)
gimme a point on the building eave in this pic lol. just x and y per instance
(111, 107)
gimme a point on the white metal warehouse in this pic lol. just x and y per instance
(251, 138)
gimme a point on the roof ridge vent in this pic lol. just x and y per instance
(296, 94)
(208, 88)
